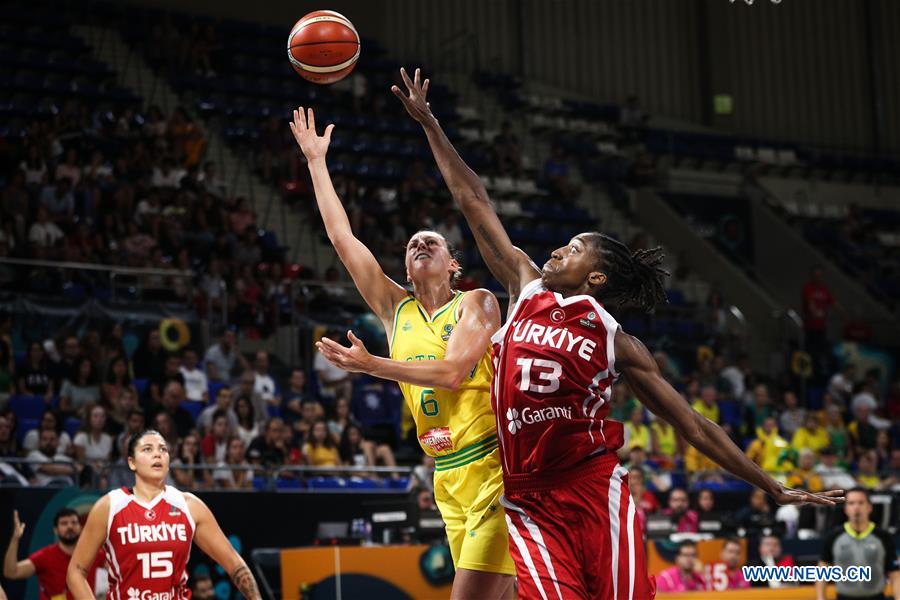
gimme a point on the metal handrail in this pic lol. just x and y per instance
(80, 266)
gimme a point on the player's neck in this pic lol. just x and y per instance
(432, 294)
(145, 491)
(861, 526)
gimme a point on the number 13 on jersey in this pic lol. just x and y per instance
(539, 370)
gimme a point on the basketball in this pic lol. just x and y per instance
(323, 47)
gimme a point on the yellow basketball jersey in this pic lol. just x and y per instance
(446, 421)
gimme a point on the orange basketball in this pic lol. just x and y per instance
(323, 46)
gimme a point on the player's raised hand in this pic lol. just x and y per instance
(355, 359)
(415, 103)
(304, 129)
(18, 526)
(799, 497)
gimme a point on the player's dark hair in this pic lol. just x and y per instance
(132, 443)
(61, 513)
(633, 278)
(860, 490)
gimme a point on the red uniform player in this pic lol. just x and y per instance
(148, 544)
(572, 525)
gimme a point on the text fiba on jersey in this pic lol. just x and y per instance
(554, 337)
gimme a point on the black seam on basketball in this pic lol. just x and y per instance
(320, 43)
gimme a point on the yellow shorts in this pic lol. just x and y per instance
(467, 489)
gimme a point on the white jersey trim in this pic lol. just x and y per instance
(531, 288)
(609, 323)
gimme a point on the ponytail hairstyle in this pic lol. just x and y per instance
(633, 278)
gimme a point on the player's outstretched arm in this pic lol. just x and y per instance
(636, 364)
(12, 568)
(380, 292)
(89, 542)
(512, 267)
(479, 318)
(209, 538)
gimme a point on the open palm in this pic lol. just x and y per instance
(304, 129)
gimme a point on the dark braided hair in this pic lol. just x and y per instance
(633, 278)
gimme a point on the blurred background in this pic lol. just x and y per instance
(162, 262)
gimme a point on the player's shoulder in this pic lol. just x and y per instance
(477, 297)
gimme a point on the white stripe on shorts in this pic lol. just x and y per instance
(532, 528)
(526, 556)
(615, 496)
(630, 526)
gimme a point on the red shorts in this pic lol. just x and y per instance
(563, 541)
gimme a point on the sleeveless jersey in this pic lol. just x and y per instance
(554, 364)
(446, 421)
(148, 546)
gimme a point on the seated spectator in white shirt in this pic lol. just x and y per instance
(221, 358)
(59, 200)
(196, 385)
(167, 176)
(223, 403)
(49, 420)
(264, 384)
(840, 386)
(334, 382)
(47, 451)
(43, 233)
(92, 443)
(234, 456)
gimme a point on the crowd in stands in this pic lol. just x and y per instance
(850, 436)
(76, 407)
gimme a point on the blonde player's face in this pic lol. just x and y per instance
(151, 458)
(427, 256)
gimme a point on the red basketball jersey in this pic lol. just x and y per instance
(148, 546)
(554, 364)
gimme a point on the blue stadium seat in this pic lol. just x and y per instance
(71, 426)
(27, 407)
(288, 484)
(25, 425)
(360, 483)
(141, 385)
(400, 483)
(213, 388)
(327, 483)
(260, 484)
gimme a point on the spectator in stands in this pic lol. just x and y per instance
(770, 554)
(47, 452)
(150, 357)
(215, 443)
(67, 367)
(234, 478)
(706, 506)
(804, 476)
(658, 480)
(34, 167)
(172, 397)
(294, 396)
(727, 574)
(49, 420)
(269, 449)
(556, 176)
(244, 389)
(708, 405)
(203, 588)
(666, 444)
(80, 391)
(342, 418)
(834, 474)
(320, 448)
(135, 423)
(120, 411)
(334, 382)
(883, 449)
(59, 202)
(644, 501)
(264, 385)
(248, 426)
(9, 445)
(867, 473)
(838, 436)
(222, 358)
(224, 404)
(862, 430)
(811, 435)
(686, 575)
(196, 386)
(34, 377)
(757, 412)
(186, 138)
(636, 432)
(117, 380)
(817, 301)
(92, 444)
(768, 449)
(211, 182)
(171, 372)
(165, 425)
(189, 456)
(841, 384)
(757, 515)
(508, 151)
(683, 517)
(792, 415)
(353, 450)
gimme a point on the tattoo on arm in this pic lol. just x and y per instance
(490, 242)
(83, 570)
(245, 583)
